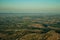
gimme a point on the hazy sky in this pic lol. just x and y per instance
(29, 6)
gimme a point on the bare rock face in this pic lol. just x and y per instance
(52, 35)
(32, 36)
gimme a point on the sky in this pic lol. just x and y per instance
(29, 6)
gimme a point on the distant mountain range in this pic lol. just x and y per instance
(28, 14)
